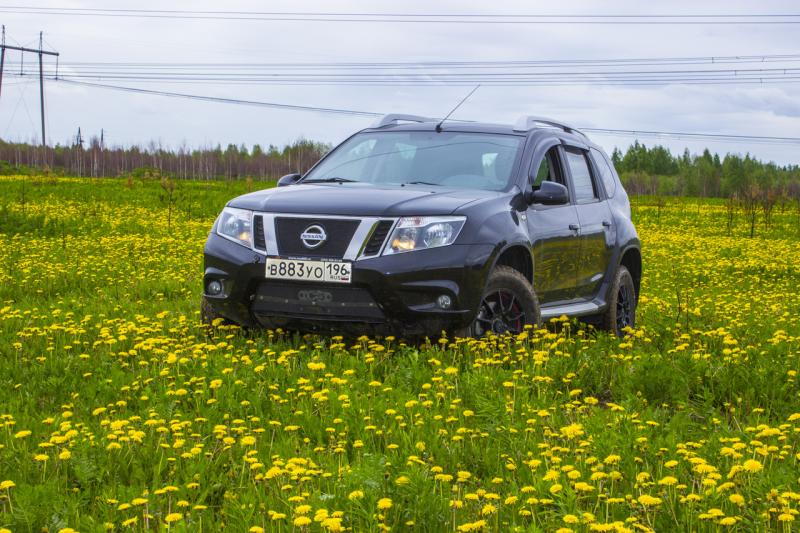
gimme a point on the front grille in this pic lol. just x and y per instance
(259, 241)
(378, 236)
(339, 232)
(286, 299)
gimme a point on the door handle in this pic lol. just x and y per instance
(606, 223)
(574, 227)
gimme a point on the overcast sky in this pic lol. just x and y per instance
(771, 110)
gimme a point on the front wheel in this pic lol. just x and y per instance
(621, 312)
(508, 304)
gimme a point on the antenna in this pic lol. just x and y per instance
(439, 125)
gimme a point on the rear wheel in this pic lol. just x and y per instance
(508, 304)
(621, 312)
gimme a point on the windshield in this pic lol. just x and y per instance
(449, 159)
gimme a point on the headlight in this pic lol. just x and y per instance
(236, 225)
(418, 233)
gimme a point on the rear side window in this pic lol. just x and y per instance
(581, 175)
(606, 173)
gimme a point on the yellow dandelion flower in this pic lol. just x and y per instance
(649, 501)
(572, 431)
(752, 466)
(301, 521)
(384, 504)
(736, 499)
(173, 517)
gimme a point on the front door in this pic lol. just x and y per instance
(554, 233)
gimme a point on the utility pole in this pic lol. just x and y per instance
(2, 56)
(79, 152)
(41, 89)
(41, 53)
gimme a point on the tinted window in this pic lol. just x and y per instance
(581, 176)
(450, 159)
(606, 174)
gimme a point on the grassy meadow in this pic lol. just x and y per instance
(119, 412)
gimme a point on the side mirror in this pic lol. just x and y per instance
(549, 193)
(289, 179)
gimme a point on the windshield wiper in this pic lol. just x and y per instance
(421, 183)
(334, 179)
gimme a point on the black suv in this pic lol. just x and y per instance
(412, 227)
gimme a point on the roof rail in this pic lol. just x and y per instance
(395, 117)
(529, 122)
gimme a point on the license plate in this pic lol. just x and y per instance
(305, 270)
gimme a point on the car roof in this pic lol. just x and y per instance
(488, 127)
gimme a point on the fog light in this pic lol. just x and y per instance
(214, 287)
(444, 301)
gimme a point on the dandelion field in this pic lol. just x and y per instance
(119, 412)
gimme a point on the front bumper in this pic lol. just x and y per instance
(393, 294)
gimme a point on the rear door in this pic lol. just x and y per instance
(553, 231)
(597, 232)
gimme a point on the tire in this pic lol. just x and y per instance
(622, 301)
(507, 305)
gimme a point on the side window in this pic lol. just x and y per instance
(581, 175)
(549, 169)
(606, 173)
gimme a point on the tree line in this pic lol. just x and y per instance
(96, 160)
(656, 171)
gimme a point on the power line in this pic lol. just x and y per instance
(751, 69)
(560, 82)
(601, 131)
(422, 64)
(444, 72)
(223, 100)
(425, 18)
(698, 136)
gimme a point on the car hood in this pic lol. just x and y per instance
(360, 200)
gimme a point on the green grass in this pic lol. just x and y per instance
(106, 372)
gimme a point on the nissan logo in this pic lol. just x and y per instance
(313, 236)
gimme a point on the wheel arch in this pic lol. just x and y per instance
(517, 256)
(632, 260)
